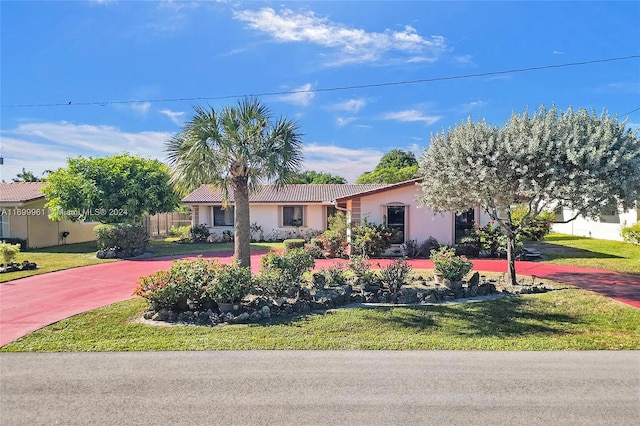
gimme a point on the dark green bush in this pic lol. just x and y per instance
(395, 275)
(183, 284)
(199, 233)
(195, 284)
(125, 237)
(370, 240)
(293, 244)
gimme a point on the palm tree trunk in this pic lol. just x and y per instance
(242, 231)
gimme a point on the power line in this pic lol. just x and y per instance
(630, 112)
(333, 89)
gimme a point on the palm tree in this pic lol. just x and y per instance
(235, 150)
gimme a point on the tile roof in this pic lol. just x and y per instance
(384, 188)
(289, 194)
(18, 192)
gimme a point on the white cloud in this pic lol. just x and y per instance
(175, 116)
(469, 106)
(463, 59)
(341, 121)
(351, 45)
(345, 162)
(41, 146)
(351, 105)
(141, 107)
(300, 96)
(411, 115)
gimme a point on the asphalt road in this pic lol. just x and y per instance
(320, 387)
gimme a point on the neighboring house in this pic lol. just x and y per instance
(608, 227)
(300, 210)
(23, 215)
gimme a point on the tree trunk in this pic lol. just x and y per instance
(242, 230)
(511, 257)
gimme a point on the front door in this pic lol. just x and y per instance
(464, 222)
(396, 221)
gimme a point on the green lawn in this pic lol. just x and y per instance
(56, 258)
(82, 254)
(592, 253)
(570, 319)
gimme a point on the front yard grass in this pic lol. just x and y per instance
(569, 319)
(56, 258)
(586, 252)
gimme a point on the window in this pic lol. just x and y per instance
(4, 226)
(396, 221)
(223, 216)
(293, 216)
(464, 222)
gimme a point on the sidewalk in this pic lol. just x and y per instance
(31, 303)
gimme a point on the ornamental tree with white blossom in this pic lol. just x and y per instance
(575, 159)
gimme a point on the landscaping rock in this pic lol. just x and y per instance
(265, 312)
(241, 319)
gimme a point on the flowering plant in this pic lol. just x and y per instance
(450, 266)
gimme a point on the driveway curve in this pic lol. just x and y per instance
(31, 303)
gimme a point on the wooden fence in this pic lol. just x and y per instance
(160, 224)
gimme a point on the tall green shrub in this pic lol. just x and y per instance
(126, 238)
(8, 252)
(631, 233)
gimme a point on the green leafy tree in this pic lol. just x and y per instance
(582, 161)
(121, 188)
(317, 178)
(395, 166)
(389, 175)
(236, 149)
(397, 159)
(27, 176)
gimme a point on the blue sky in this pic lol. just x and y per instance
(102, 55)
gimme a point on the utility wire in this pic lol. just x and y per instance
(630, 112)
(333, 89)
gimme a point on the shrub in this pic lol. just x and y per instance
(292, 263)
(126, 238)
(370, 239)
(8, 252)
(333, 243)
(395, 275)
(631, 233)
(334, 276)
(257, 232)
(334, 239)
(272, 284)
(314, 248)
(360, 268)
(450, 266)
(293, 244)
(231, 283)
(539, 226)
(183, 232)
(194, 284)
(414, 250)
(184, 283)
(200, 233)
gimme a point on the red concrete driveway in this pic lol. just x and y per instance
(31, 303)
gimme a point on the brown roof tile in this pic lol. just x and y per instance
(18, 192)
(288, 194)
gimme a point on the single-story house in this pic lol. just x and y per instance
(299, 210)
(23, 215)
(608, 227)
